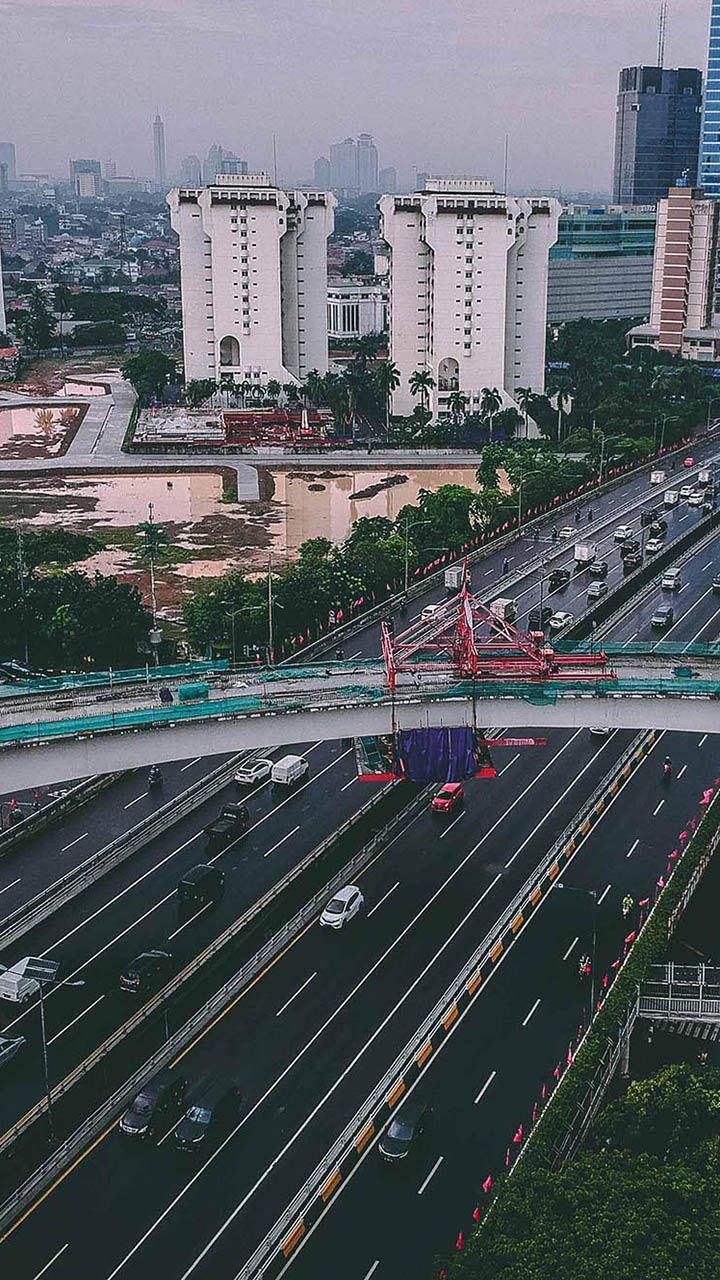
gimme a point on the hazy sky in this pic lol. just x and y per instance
(437, 82)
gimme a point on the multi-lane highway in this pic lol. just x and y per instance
(307, 1043)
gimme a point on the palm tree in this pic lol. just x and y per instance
(273, 389)
(421, 383)
(562, 399)
(387, 380)
(313, 387)
(490, 402)
(457, 404)
(524, 397)
(245, 389)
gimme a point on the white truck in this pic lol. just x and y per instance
(706, 476)
(454, 578)
(657, 477)
(289, 771)
(585, 553)
(504, 608)
(671, 497)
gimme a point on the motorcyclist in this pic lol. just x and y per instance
(155, 777)
(627, 905)
(536, 536)
(506, 565)
(584, 967)
(590, 515)
(667, 768)
(554, 535)
(339, 653)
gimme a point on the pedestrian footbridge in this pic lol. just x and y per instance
(78, 727)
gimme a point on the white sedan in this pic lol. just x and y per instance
(567, 532)
(346, 904)
(256, 771)
(623, 532)
(560, 620)
(653, 545)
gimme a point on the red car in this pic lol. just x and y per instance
(689, 462)
(448, 798)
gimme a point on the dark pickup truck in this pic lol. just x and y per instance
(230, 824)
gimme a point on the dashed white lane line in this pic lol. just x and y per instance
(529, 1015)
(130, 803)
(68, 1025)
(571, 948)
(295, 994)
(74, 842)
(431, 1174)
(604, 894)
(454, 822)
(372, 1270)
(180, 928)
(657, 808)
(349, 784)
(11, 885)
(703, 740)
(486, 1085)
(681, 772)
(632, 849)
(706, 566)
(277, 846)
(383, 899)
(191, 763)
(560, 799)
(54, 1258)
(507, 766)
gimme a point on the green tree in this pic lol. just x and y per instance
(524, 397)
(149, 372)
(387, 379)
(36, 325)
(63, 300)
(273, 389)
(421, 382)
(198, 390)
(457, 404)
(490, 401)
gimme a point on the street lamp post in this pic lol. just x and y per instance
(713, 400)
(410, 524)
(45, 972)
(590, 893)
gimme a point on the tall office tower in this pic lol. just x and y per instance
(685, 307)
(191, 172)
(4, 186)
(253, 277)
(221, 161)
(367, 164)
(321, 173)
(388, 181)
(657, 132)
(468, 289)
(86, 177)
(109, 170)
(160, 168)
(8, 157)
(710, 146)
(343, 166)
(3, 321)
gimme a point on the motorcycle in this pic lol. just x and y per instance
(155, 778)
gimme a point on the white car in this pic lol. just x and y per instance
(696, 499)
(256, 771)
(560, 620)
(346, 904)
(653, 545)
(686, 491)
(567, 532)
(623, 532)
(429, 612)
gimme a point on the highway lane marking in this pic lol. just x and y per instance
(684, 516)
(560, 799)
(383, 899)
(54, 1258)
(190, 765)
(657, 808)
(699, 633)
(486, 1085)
(11, 885)
(349, 784)
(707, 566)
(703, 740)
(74, 842)
(604, 894)
(507, 766)
(680, 774)
(355, 655)
(571, 948)
(180, 928)
(632, 848)
(630, 639)
(684, 615)
(72, 1024)
(433, 1171)
(529, 1015)
(130, 804)
(372, 1270)
(447, 830)
(297, 993)
(277, 846)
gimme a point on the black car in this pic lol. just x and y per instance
(658, 528)
(155, 1107)
(629, 547)
(647, 517)
(404, 1134)
(558, 579)
(716, 585)
(146, 973)
(215, 1112)
(632, 562)
(663, 616)
(538, 618)
(200, 886)
(598, 569)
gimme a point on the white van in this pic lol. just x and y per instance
(671, 498)
(671, 580)
(14, 986)
(289, 771)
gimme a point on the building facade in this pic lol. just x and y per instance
(191, 172)
(367, 165)
(253, 268)
(685, 308)
(356, 308)
(388, 180)
(468, 289)
(657, 132)
(601, 266)
(710, 147)
(86, 178)
(8, 158)
(159, 161)
(321, 174)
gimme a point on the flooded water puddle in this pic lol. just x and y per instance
(42, 431)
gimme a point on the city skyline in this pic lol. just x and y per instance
(569, 99)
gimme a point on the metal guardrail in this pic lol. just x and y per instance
(56, 895)
(73, 799)
(310, 1201)
(105, 1114)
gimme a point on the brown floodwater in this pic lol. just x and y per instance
(41, 431)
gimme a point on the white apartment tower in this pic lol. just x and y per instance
(468, 289)
(253, 273)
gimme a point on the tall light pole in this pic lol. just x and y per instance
(713, 400)
(589, 893)
(45, 972)
(410, 524)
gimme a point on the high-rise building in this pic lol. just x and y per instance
(8, 157)
(657, 132)
(343, 166)
(86, 177)
(367, 164)
(468, 289)
(388, 181)
(601, 266)
(191, 172)
(321, 174)
(160, 166)
(253, 275)
(685, 307)
(709, 176)
(221, 161)
(109, 170)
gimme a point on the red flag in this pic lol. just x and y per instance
(615, 964)
(661, 882)
(643, 902)
(631, 938)
(476, 1213)
(672, 857)
(557, 1071)
(460, 1241)
(388, 587)
(543, 1093)
(487, 1184)
(570, 1056)
(605, 980)
(507, 1158)
(518, 1134)
(534, 1112)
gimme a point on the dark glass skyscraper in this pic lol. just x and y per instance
(657, 131)
(710, 153)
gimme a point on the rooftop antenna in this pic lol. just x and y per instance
(662, 21)
(275, 175)
(505, 168)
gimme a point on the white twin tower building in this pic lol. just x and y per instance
(468, 284)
